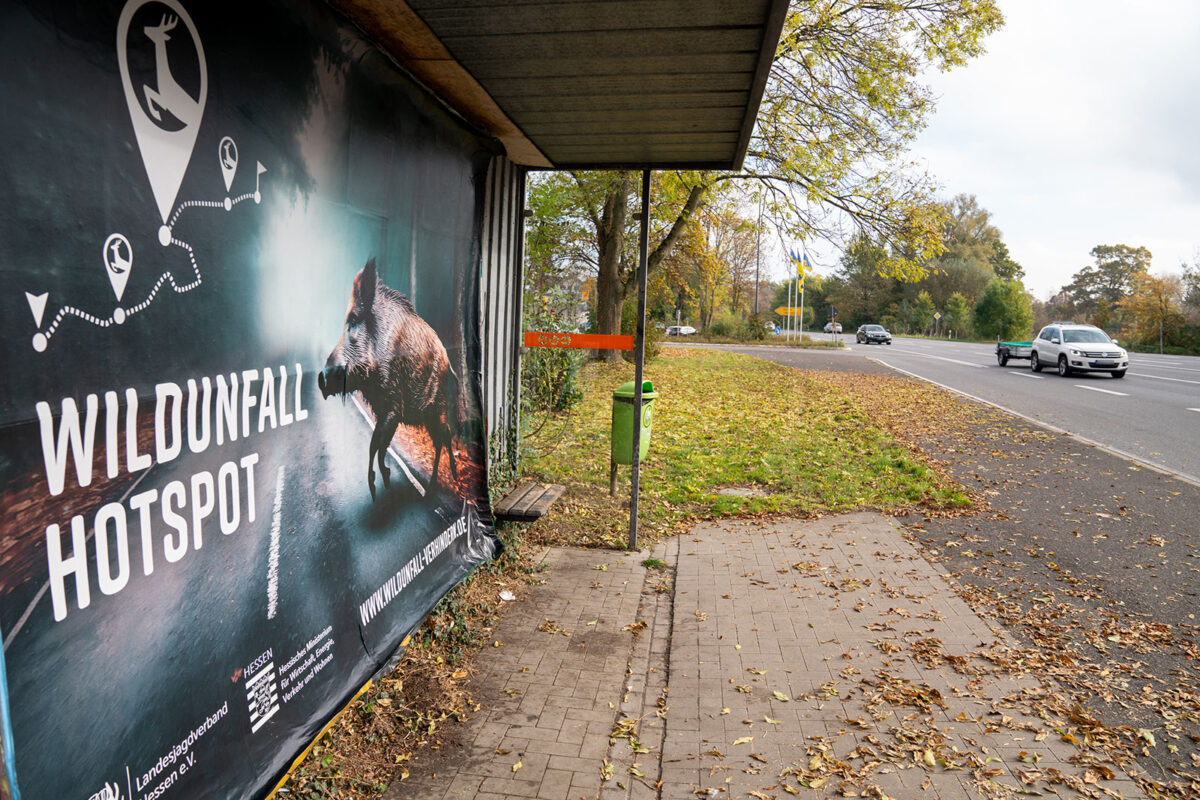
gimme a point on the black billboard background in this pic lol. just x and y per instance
(144, 692)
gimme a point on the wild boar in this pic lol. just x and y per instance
(391, 357)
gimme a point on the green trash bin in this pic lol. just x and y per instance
(622, 421)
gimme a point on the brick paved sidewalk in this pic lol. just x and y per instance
(872, 655)
(818, 658)
(549, 694)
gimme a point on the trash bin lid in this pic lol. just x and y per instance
(626, 390)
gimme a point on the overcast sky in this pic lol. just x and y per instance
(1080, 126)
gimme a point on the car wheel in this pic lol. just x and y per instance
(1034, 364)
(1118, 373)
(889, 341)
(1001, 357)
(1064, 369)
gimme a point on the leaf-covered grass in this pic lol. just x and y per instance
(796, 443)
(806, 343)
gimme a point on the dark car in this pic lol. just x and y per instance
(873, 334)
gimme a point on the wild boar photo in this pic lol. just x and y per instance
(397, 363)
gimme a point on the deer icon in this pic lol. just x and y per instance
(118, 263)
(169, 95)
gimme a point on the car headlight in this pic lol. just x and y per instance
(1074, 352)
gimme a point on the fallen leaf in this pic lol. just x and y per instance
(743, 740)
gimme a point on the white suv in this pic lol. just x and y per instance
(1077, 348)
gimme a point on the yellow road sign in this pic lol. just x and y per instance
(788, 311)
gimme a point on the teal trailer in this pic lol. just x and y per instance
(1009, 350)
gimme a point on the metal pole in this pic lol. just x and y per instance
(757, 250)
(639, 357)
(791, 305)
(802, 312)
(789, 302)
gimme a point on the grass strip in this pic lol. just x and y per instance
(792, 443)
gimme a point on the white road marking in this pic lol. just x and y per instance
(1031, 375)
(1194, 480)
(1161, 365)
(1097, 389)
(941, 358)
(1163, 378)
(273, 548)
(1194, 409)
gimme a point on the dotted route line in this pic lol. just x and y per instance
(206, 204)
(128, 312)
(119, 316)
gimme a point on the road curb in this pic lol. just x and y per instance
(1180, 476)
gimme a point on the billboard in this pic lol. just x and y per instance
(241, 452)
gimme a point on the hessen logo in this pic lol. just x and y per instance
(109, 791)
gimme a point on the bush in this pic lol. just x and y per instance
(721, 327)
(752, 328)
(629, 328)
(550, 379)
(550, 375)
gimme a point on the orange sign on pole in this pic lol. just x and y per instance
(587, 341)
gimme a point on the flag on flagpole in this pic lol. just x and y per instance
(799, 261)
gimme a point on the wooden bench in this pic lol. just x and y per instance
(527, 502)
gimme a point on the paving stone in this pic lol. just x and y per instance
(826, 611)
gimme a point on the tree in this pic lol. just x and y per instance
(1191, 289)
(705, 270)
(1002, 263)
(958, 315)
(844, 100)
(739, 253)
(970, 234)
(1058, 306)
(923, 311)
(974, 254)
(1154, 305)
(557, 247)
(1098, 288)
(856, 288)
(962, 276)
(1004, 310)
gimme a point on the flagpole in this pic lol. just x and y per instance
(788, 329)
(802, 311)
(804, 265)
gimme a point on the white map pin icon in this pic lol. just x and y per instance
(165, 153)
(118, 261)
(228, 156)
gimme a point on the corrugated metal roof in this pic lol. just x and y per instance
(599, 84)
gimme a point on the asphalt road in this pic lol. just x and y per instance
(1151, 415)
